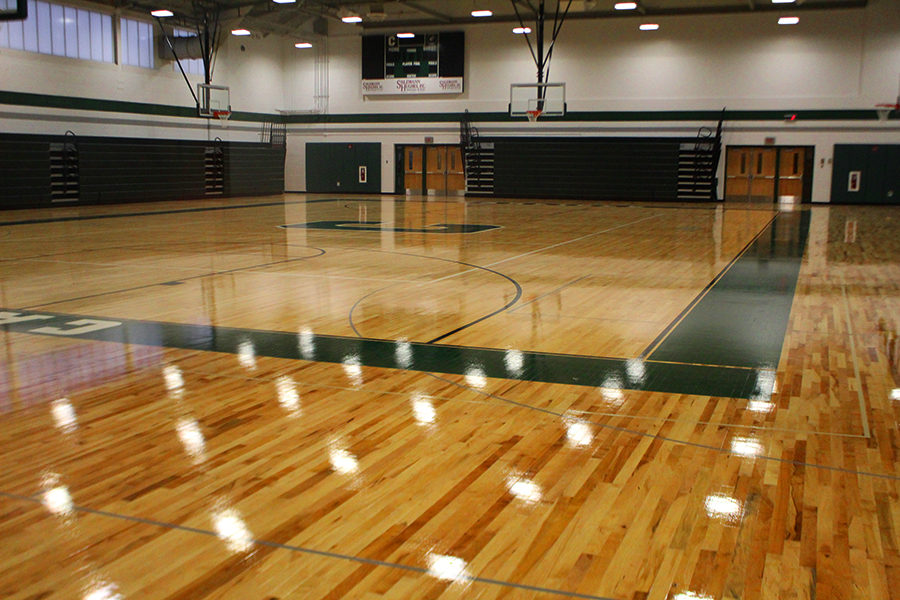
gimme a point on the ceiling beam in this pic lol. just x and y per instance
(428, 11)
(735, 9)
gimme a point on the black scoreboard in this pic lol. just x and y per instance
(424, 63)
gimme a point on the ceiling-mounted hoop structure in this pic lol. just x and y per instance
(206, 21)
(540, 52)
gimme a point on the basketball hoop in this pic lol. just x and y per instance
(222, 116)
(884, 110)
(533, 115)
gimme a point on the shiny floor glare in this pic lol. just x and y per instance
(441, 398)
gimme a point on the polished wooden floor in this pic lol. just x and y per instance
(156, 466)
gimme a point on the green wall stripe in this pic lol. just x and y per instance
(728, 382)
(120, 106)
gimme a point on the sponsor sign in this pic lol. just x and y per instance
(413, 86)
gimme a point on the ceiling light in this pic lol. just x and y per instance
(482, 13)
(352, 19)
(406, 35)
(649, 27)
(284, 1)
(521, 29)
(625, 5)
(163, 12)
(783, 1)
(302, 45)
(788, 20)
(240, 32)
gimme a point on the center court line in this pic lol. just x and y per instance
(859, 382)
(313, 551)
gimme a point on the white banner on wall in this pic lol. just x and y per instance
(414, 85)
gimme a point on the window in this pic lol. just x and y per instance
(137, 43)
(60, 30)
(192, 66)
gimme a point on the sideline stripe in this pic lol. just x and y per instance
(742, 320)
(677, 320)
(634, 374)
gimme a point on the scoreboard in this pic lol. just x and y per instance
(426, 63)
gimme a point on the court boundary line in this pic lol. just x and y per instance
(659, 339)
(144, 370)
(312, 551)
(663, 438)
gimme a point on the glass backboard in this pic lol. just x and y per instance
(550, 98)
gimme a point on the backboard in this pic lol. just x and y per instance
(13, 10)
(214, 99)
(549, 98)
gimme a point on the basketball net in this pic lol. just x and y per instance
(884, 110)
(533, 115)
(222, 116)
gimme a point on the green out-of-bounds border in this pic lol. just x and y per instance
(121, 106)
(477, 363)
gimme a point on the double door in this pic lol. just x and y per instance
(433, 169)
(767, 174)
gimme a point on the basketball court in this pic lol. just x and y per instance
(348, 397)
(612, 343)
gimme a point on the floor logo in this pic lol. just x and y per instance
(378, 226)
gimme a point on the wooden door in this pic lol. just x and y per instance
(750, 174)
(456, 177)
(791, 164)
(412, 159)
(436, 169)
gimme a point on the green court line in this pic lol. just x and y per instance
(742, 319)
(475, 363)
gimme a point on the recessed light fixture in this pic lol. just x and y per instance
(406, 35)
(302, 45)
(240, 32)
(482, 13)
(788, 20)
(783, 1)
(161, 13)
(649, 27)
(352, 19)
(625, 5)
(284, 1)
(521, 30)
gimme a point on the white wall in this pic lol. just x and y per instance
(254, 74)
(832, 59)
(848, 59)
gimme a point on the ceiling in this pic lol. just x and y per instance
(323, 16)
